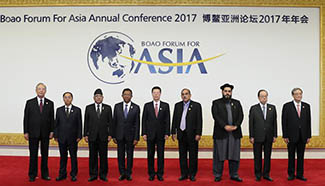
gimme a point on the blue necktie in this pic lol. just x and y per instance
(183, 120)
(126, 111)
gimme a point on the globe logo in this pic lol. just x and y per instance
(104, 60)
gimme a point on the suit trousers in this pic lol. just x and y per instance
(191, 147)
(258, 147)
(33, 156)
(96, 148)
(151, 146)
(122, 147)
(298, 147)
(72, 147)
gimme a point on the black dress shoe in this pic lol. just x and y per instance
(31, 179)
(122, 177)
(160, 178)
(73, 178)
(217, 179)
(268, 178)
(92, 178)
(258, 178)
(192, 178)
(183, 177)
(59, 178)
(291, 178)
(151, 178)
(129, 178)
(301, 178)
(47, 178)
(238, 179)
(104, 178)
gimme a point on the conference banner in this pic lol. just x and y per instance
(80, 49)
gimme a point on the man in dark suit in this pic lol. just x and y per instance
(155, 130)
(187, 128)
(262, 133)
(68, 132)
(126, 134)
(228, 117)
(38, 127)
(98, 133)
(296, 131)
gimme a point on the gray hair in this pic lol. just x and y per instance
(40, 84)
(295, 89)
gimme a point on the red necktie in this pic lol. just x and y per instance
(298, 110)
(41, 105)
(156, 109)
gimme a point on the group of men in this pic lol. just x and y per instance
(101, 125)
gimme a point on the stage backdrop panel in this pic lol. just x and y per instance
(79, 49)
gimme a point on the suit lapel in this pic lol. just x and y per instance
(295, 109)
(260, 110)
(36, 105)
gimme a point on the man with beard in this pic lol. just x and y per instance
(228, 116)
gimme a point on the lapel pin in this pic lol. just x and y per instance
(103, 108)
(232, 104)
(303, 106)
(47, 103)
(71, 110)
(160, 108)
(189, 109)
(131, 107)
(270, 108)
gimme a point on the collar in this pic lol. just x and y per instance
(70, 106)
(297, 103)
(263, 105)
(187, 104)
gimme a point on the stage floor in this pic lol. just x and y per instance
(14, 171)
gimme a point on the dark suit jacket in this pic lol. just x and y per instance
(193, 120)
(38, 124)
(153, 126)
(220, 116)
(68, 129)
(128, 128)
(261, 129)
(95, 126)
(291, 122)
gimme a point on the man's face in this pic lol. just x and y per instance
(40, 91)
(227, 92)
(186, 96)
(67, 98)
(297, 95)
(156, 94)
(127, 95)
(263, 97)
(98, 98)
